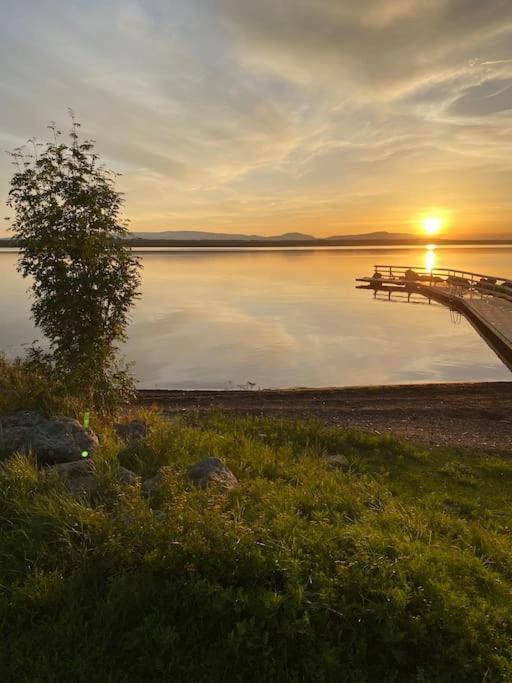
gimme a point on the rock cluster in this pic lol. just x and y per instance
(60, 443)
(50, 440)
(65, 447)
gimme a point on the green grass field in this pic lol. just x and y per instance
(398, 568)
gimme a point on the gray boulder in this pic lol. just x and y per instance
(127, 477)
(54, 440)
(132, 432)
(153, 483)
(338, 461)
(212, 471)
(80, 476)
(159, 515)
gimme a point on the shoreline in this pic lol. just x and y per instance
(311, 244)
(459, 414)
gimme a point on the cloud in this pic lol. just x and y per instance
(488, 98)
(265, 116)
(383, 45)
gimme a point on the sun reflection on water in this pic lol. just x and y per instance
(430, 257)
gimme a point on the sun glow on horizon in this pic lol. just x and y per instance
(431, 225)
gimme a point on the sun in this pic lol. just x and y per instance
(431, 225)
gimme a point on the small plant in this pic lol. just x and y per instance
(459, 471)
(84, 278)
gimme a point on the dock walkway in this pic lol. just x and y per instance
(486, 301)
(496, 313)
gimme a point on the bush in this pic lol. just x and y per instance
(84, 279)
(393, 570)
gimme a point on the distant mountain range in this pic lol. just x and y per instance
(192, 238)
(190, 235)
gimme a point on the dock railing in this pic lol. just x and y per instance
(459, 282)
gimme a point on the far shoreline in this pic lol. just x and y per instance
(141, 244)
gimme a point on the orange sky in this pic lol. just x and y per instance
(317, 116)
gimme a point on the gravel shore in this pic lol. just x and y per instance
(464, 415)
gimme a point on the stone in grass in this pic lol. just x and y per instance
(51, 440)
(132, 432)
(338, 461)
(80, 476)
(159, 515)
(152, 483)
(149, 485)
(212, 471)
(126, 476)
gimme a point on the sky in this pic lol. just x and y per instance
(320, 116)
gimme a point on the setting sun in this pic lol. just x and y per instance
(431, 225)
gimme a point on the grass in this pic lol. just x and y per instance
(27, 384)
(397, 569)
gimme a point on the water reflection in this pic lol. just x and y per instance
(430, 257)
(283, 319)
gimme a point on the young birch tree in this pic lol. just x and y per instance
(84, 278)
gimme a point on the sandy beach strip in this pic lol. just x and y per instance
(466, 415)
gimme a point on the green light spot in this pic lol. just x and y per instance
(85, 454)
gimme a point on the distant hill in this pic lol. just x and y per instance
(379, 235)
(217, 236)
(190, 235)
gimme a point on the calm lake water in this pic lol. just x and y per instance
(284, 318)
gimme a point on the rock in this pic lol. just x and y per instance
(127, 477)
(338, 461)
(54, 440)
(132, 432)
(153, 483)
(209, 470)
(212, 470)
(80, 476)
(67, 470)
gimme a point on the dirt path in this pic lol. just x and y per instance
(463, 415)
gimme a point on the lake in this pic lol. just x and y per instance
(284, 318)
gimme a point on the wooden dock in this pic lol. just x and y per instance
(484, 300)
